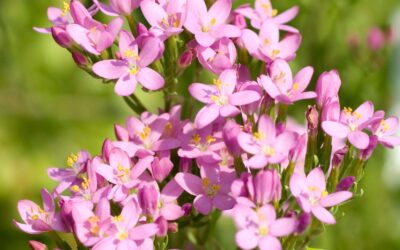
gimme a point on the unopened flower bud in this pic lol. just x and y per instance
(124, 7)
(162, 224)
(186, 58)
(161, 167)
(172, 227)
(240, 22)
(187, 208)
(376, 39)
(312, 117)
(265, 187)
(345, 184)
(79, 59)
(366, 153)
(185, 164)
(338, 156)
(230, 133)
(36, 245)
(121, 133)
(303, 222)
(328, 85)
(61, 37)
(148, 199)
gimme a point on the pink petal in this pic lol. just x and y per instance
(267, 129)
(141, 166)
(316, 178)
(110, 69)
(283, 227)
(150, 79)
(244, 97)
(153, 12)
(304, 96)
(228, 78)
(143, 231)
(220, 10)
(246, 239)
(366, 110)
(269, 86)
(336, 129)
(165, 144)
(269, 30)
(251, 41)
(303, 78)
(224, 202)
(206, 115)
(335, 198)
(281, 75)
(196, 10)
(257, 161)
(297, 184)
(80, 35)
(289, 45)
(226, 30)
(190, 183)
(119, 157)
(172, 211)
(125, 85)
(248, 144)
(203, 204)
(323, 215)
(359, 139)
(270, 243)
(287, 15)
(149, 52)
(202, 92)
(229, 111)
(285, 142)
(204, 38)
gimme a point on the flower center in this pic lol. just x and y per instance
(210, 189)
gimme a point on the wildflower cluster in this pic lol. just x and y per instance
(166, 178)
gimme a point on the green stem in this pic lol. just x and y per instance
(132, 24)
(60, 242)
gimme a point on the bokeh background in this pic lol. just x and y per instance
(49, 108)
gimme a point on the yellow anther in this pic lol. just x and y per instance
(357, 115)
(295, 86)
(217, 83)
(263, 231)
(265, 6)
(145, 133)
(221, 52)
(85, 183)
(385, 126)
(214, 98)
(205, 182)
(66, 9)
(210, 139)
(274, 12)
(168, 126)
(34, 217)
(122, 235)
(72, 158)
(94, 229)
(324, 193)
(266, 42)
(130, 53)
(134, 70)
(93, 219)
(348, 111)
(213, 21)
(312, 188)
(275, 52)
(75, 188)
(176, 21)
(258, 135)
(269, 151)
(123, 171)
(196, 139)
(280, 76)
(93, 29)
(117, 218)
(215, 188)
(164, 22)
(205, 29)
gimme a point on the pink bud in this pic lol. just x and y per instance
(264, 187)
(162, 224)
(338, 156)
(366, 153)
(376, 39)
(106, 149)
(36, 245)
(345, 184)
(124, 7)
(240, 22)
(186, 58)
(172, 227)
(187, 208)
(61, 37)
(230, 133)
(303, 222)
(185, 164)
(121, 133)
(328, 85)
(312, 117)
(148, 199)
(79, 59)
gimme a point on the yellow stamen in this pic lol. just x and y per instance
(205, 182)
(258, 135)
(324, 193)
(266, 42)
(275, 52)
(210, 139)
(93, 219)
(384, 125)
(134, 70)
(213, 21)
(34, 217)
(145, 133)
(122, 235)
(168, 126)
(130, 53)
(66, 9)
(123, 171)
(263, 231)
(348, 111)
(217, 83)
(85, 183)
(196, 139)
(357, 115)
(274, 12)
(72, 158)
(295, 86)
(75, 188)
(269, 151)
(176, 21)
(117, 218)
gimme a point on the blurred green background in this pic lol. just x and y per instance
(49, 108)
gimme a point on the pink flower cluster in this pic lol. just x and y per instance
(242, 154)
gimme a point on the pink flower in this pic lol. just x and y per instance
(351, 124)
(260, 228)
(122, 173)
(218, 57)
(385, 131)
(145, 136)
(211, 188)
(92, 35)
(133, 67)
(266, 145)
(376, 39)
(312, 196)
(282, 87)
(267, 47)
(168, 18)
(220, 98)
(328, 86)
(264, 11)
(77, 164)
(38, 220)
(124, 232)
(118, 7)
(209, 26)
